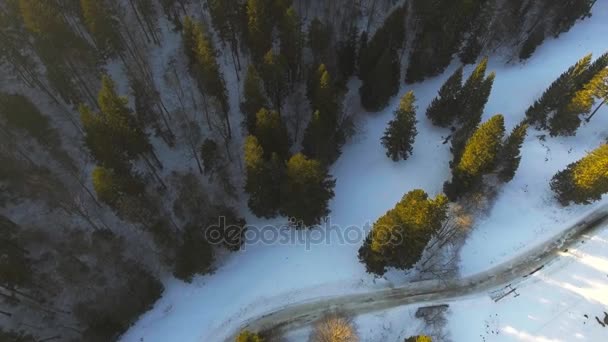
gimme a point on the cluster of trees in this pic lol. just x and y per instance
(571, 96)
(399, 237)
(584, 181)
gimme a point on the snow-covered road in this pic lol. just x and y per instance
(440, 291)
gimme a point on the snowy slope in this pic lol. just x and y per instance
(368, 184)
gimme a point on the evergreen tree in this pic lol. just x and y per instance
(532, 42)
(248, 336)
(259, 27)
(379, 62)
(254, 98)
(584, 181)
(478, 158)
(194, 256)
(19, 112)
(263, 179)
(272, 134)
(307, 191)
(291, 39)
(399, 136)
(274, 73)
(567, 119)
(323, 137)
(510, 155)
(419, 338)
(557, 93)
(102, 25)
(347, 55)
(444, 108)
(226, 18)
(201, 53)
(319, 40)
(382, 82)
(113, 135)
(111, 187)
(399, 237)
(15, 263)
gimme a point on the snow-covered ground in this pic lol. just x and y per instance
(368, 184)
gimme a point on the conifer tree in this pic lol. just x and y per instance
(399, 136)
(102, 25)
(201, 53)
(557, 92)
(478, 157)
(584, 181)
(272, 134)
(274, 73)
(254, 98)
(399, 237)
(419, 338)
(291, 39)
(111, 187)
(259, 27)
(113, 135)
(194, 256)
(226, 18)
(307, 191)
(319, 40)
(567, 119)
(347, 55)
(382, 82)
(15, 262)
(322, 137)
(248, 336)
(510, 156)
(444, 108)
(263, 179)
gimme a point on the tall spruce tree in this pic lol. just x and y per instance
(510, 156)
(274, 72)
(479, 157)
(399, 237)
(259, 27)
(272, 134)
(444, 108)
(103, 26)
(263, 179)
(290, 35)
(307, 191)
(584, 181)
(254, 98)
(398, 139)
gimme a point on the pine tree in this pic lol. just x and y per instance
(248, 336)
(111, 186)
(274, 73)
(291, 39)
(399, 237)
(226, 18)
(347, 55)
(319, 39)
(254, 98)
(557, 93)
(201, 53)
(510, 156)
(399, 136)
(382, 82)
(307, 191)
(473, 92)
(419, 338)
(567, 119)
(194, 256)
(259, 27)
(102, 25)
(113, 135)
(263, 179)
(444, 108)
(322, 137)
(272, 134)
(478, 158)
(584, 181)
(15, 262)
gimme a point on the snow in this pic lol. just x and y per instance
(549, 308)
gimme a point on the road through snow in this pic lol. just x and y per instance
(297, 315)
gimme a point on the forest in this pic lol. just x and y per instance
(128, 127)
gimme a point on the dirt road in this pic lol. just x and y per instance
(428, 292)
